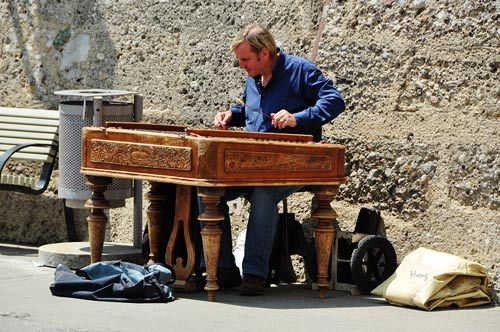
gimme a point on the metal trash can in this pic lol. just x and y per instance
(74, 115)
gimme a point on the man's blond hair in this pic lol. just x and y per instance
(258, 37)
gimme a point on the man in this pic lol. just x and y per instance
(283, 93)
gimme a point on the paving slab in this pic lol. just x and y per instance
(76, 255)
(27, 305)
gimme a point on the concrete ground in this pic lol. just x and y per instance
(26, 304)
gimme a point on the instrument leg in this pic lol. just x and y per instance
(181, 227)
(156, 220)
(211, 235)
(97, 219)
(324, 233)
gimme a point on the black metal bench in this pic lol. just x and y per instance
(32, 137)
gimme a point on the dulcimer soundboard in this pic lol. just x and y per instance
(208, 157)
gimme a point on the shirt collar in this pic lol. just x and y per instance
(278, 68)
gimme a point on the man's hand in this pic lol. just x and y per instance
(222, 119)
(283, 119)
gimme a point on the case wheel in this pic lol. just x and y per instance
(372, 262)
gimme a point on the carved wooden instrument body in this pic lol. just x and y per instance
(209, 160)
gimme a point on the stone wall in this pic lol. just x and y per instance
(420, 78)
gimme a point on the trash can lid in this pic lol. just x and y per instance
(92, 93)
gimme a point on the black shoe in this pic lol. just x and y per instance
(228, 277)
(252, 285)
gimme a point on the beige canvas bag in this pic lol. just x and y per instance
(430, 279)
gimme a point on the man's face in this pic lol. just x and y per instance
(253, 63)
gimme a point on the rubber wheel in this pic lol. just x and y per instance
(372, 262)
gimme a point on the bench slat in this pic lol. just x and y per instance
(28, 128)
(29, 113)
(30, 136)
(34, 149)
(19, 180)
(32, 157)
(17, 141)
(29, 121)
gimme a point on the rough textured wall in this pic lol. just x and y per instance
(422, 128)
(420, 77)
(176, 53)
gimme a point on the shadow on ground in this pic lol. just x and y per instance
(287, 296)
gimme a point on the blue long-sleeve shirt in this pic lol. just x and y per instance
(296, 85)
